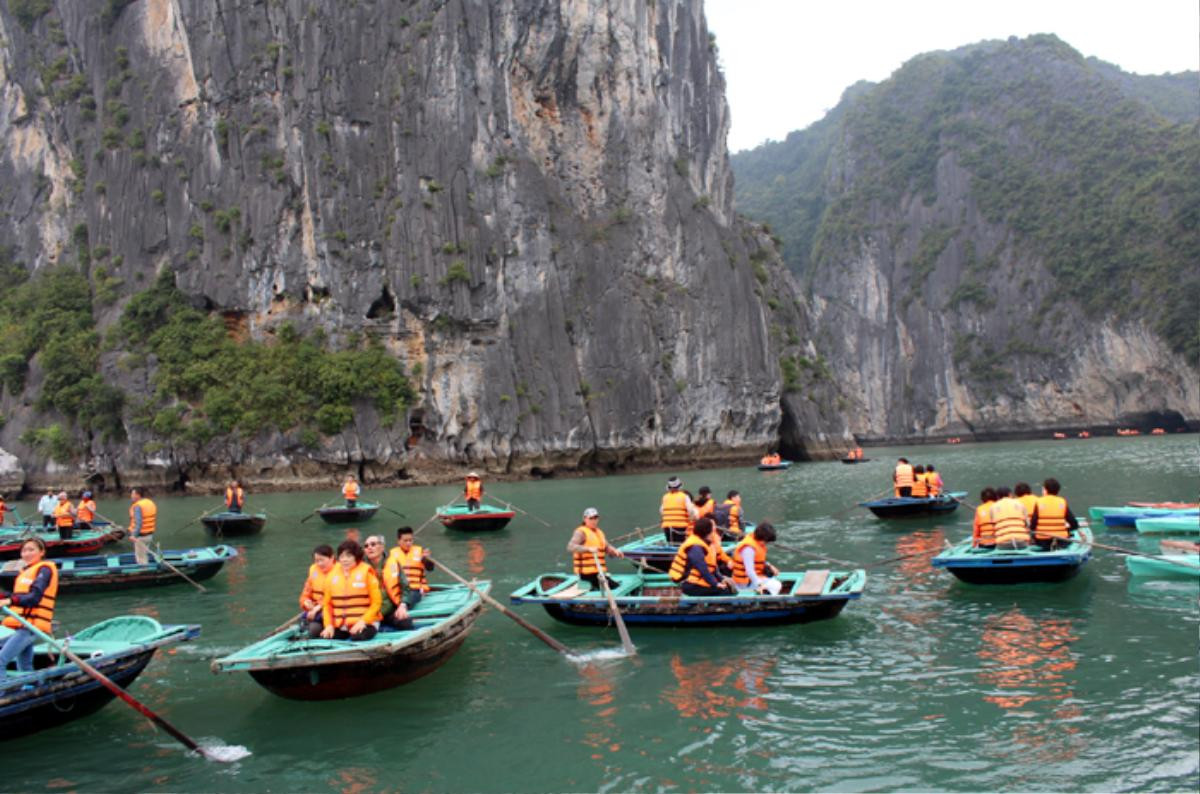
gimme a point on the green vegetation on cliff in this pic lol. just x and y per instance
(1071, 156)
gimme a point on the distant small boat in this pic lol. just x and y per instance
(229, 524)
(654, 600)
(119, 571)
(83, 541)
(1169, 525)
(657, 554)
(1128, 516)
(292, 665)
(1166, 505)
(57, 691)
(341, 514)
(854, 460)
(780, 466)
(1016, 566)
(913, 506)
(485, 518)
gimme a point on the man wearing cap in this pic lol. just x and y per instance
(85, 511)
(677, 511)
(588, 546)
(64, 517)
(473, 492)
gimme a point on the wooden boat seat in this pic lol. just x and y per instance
(670, 593)
(812, 584)
(574, 591)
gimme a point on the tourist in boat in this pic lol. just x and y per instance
(677, 511)
(33, 597)
(695, 563)
(375, 556)
(85, 511)
(143, 521)
(350, 490)
(704, 502)
(1009, 520)
(414, 562)
(902, 477)
(586, 538)
(920, 487)
(984, 533)
(933, 481)
(1051, 522)
(857, 453)
(64, 516)
(1024, 494)
(352, 597)
(312, 597)
(46, 507)
(751, 571)
(235, 497)
(473, 491)
(728, 515)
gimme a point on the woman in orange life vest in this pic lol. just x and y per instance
(704, 502)
(85, 511)
(902, 477)
(350, 490)
(352, 597)
(933, 481)
(312, 597)
(33, 596)
(695, 564)
(1051, 522)
(64, 517)
(235, 497)
(473, 491)
(586, 538)
(984, 532)
(750, 566)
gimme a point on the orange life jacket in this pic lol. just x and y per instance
(1009, 519)
(760, 559)
(149, 515)
(735, 515)
(232, 498)
(353, 596)
(904, 475)
(680, 562)
(474, 490)
(350, 490)
(585, 563)
(86, 510)
(933, 483)
(1029, 502)
(1051, 518)
(674, 510)
(765, 460)
(63, 516)
(920, 486)
(41, 613)
(413, 565)
(985, 530)
(706, 509)
(314, 585)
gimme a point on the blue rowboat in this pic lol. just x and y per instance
(1128, 516)
(780, 466)
(1016, 566)
(657, 554)
(119, 571)
(912, 506)
(485, 518)
(291, 664)
(363, 511)
(57, 691)
(654, 600)
(228, 524)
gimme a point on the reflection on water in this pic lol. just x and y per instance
(476, 556)
(597, 689)
(354, 780)
(707, 689)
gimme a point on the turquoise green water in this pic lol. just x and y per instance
(924, 684)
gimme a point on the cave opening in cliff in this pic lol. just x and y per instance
(383, 307)
(790, 443)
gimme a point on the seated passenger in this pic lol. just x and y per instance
(1010, 521)
(1052, 523)
(352, 597)
(695, 564)
(312, 597)
(728, 515)
(1024, 494)
(933, 481)
(750, 567)
(920, 486)
(984, 534)
(704, 502)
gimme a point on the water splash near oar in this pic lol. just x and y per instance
(598, 655)
(225, 753)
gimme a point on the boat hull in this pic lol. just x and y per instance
(855, 460)
(1023, 566)
(683, 617)
(913, 507)
(1170, 565)
(93, 574)
(347, 515)
(774, 466)
(234, 524)
(84, 542)
(486, 519)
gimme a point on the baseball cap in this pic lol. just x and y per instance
(674, 482)
(591, 512)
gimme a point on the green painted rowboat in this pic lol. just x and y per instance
(1169, 525)
(485, 518)
(291, 664)
(1182, 565)
(120, 571)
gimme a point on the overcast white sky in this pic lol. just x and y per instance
(787, 62)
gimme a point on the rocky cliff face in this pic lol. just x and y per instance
(528, 202)
(996, 240)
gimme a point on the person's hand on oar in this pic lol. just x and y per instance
(161, 560)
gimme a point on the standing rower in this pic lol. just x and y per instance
(586, 538)
(235, 497)
(143, 521)
(350, 490)
(902, 477)
(64, 517)
(85, 511)
(473, 491)
(677, 512)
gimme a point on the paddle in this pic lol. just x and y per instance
(817, 556)
(612, 607)
(541, 635)
(841, 513)
(390, 510)
(116, 690)
(291, 622)
(435, 515)
(1142, 554)
(512, 506)
(157, 557)
(315, 512)
(188, 524)
(925, 553)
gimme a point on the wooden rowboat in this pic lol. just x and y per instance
(485, 518)
(233, 524)
(854, 460)
(912, 506)
(657, 554)
(1166, 505)
(1016, 566)
(654, 600)
(1169, 525)
(57, 691)
(1166, 565)
(83, 541)
(363, 511)
(119, 571)
(780, 466)
(292, 665)
(1127, 517)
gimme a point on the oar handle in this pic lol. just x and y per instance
(541, 635)
(108, 684)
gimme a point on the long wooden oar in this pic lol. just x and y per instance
(161, 560)
(925, 553)
(817, 556)
(626, 642)
(844, 511)
(512, 506)
(314, 512)
(432, 517)
(108, 684)
(188, 524)
(1142, 554)
(390, 510)
(534, 630)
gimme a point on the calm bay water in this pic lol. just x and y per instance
(923, 684)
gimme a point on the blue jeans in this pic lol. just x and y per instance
(20, 647)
